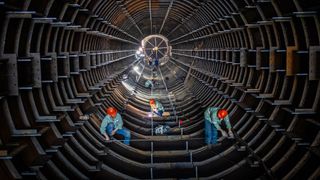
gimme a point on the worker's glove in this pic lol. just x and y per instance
(224, 134)
(231, 134)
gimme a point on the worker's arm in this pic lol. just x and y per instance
(154, 110)
(214, 120)
(226, 119)
(114, 131)
(103, 128)
(106, 136)
(220, 129)
(159, 106)
(119, 124)
(216, 124)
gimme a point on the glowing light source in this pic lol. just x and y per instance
(138, 52)
(128, 86)
(125, 76)
(136, 69)
(140, 49)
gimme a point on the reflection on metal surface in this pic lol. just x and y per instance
(156, 47)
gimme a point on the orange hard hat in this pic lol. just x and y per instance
(112, 111)
(222, 113)
(152, 101)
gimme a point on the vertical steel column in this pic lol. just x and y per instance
(151, 156)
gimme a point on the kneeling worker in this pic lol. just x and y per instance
(156, 107)
(112, 124)
(148, 83)
(213, 118)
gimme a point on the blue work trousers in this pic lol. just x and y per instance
(211, 133)
(123, 132)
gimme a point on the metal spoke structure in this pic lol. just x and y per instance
(64, 62)
(156, 47)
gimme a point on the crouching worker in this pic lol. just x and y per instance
(148, 83)
(156, 107)
(213, 118)
(112, 124)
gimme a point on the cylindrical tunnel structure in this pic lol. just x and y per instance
(64, 62)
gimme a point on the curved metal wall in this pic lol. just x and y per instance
(61, 59)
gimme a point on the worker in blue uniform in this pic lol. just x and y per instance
(112, 124)
(149, 84)
(214, 117)
(156, 107)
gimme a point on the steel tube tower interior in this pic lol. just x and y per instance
(64, 62)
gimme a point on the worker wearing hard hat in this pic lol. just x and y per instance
(156, 107)
(112, 124)
(213, 119)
